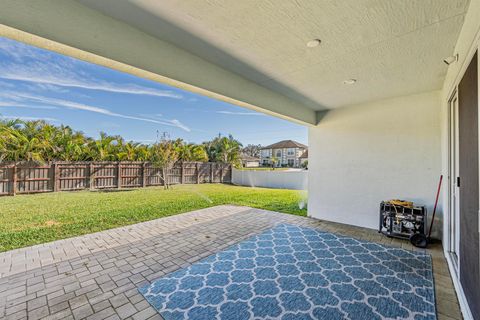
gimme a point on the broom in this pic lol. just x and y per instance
(435, 208)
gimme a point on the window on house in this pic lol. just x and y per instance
(291, 162)
(291, 151)
(279, 153)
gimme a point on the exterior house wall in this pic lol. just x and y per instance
(266, 155)
(361, 155)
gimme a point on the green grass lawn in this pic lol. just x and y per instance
(32, 219)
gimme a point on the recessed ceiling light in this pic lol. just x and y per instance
(313, 43)
(349, 81)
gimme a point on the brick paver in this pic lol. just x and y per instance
(96, 276)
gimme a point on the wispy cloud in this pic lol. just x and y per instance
(241, 113)
(38, 71)
(42, 87)
(180, 125)
(42, 74)
(20, 51)
(154, 115)
(37, 66)
(4, 104)
(29, 118)
(85, 107)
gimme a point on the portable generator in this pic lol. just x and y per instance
(401, 219)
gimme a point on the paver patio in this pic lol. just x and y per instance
(96, 276)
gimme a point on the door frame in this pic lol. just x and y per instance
(452, 90)
(453, 159)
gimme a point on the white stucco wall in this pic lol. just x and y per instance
(296, 180)
(363, 154)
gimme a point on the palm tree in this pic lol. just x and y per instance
(128, 151)
(274, 161)
(25, 147)
(211, 149)
(229, 150)
(8, 130)
(183, 150)
(101, 149)
(190, 151)
(40, 141)
(143, 153)
(223, 149)
(198, 153)
(69, 145)
(20, 141)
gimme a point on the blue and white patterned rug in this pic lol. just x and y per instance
(291, 272)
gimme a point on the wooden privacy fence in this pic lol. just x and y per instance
(23, 178)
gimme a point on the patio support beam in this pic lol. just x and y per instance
(70, 28)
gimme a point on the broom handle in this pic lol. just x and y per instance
(435, 207)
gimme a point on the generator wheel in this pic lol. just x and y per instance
(419, 240)
(385, 222)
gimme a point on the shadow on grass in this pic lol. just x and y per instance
(113, 190)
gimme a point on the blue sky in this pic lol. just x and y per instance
(39, 84)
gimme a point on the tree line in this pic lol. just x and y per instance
(40, 141)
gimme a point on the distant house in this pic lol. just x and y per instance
(249, 161)
(285, 153)
(304, 157)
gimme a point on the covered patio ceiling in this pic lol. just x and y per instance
(253, 53)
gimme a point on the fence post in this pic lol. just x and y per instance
(182, 175)
(211, 172)
(198, 172)
(221, 173)
(14, 179)
(55, 176)
(119, 175)
(143, 175)
(91, 176)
